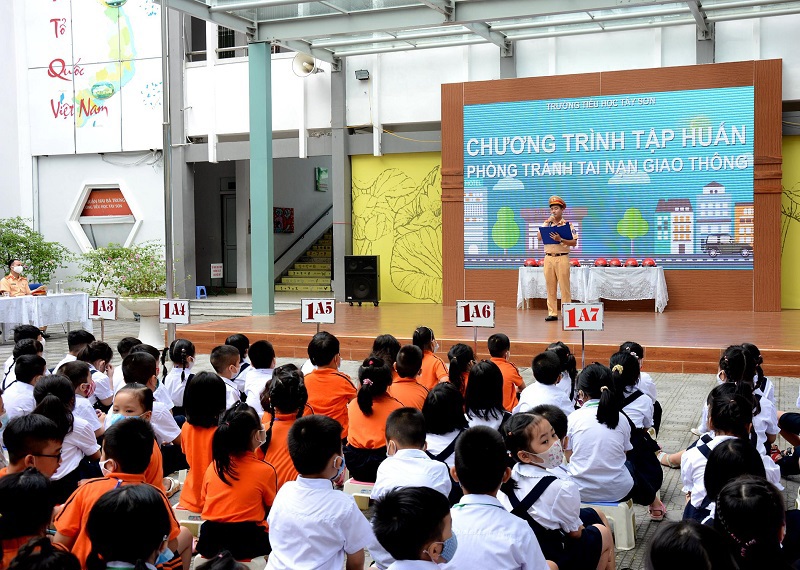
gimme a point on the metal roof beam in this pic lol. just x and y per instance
(203, 12)
(308, 49)
(444, 7)
(496, 38)
(699, 17)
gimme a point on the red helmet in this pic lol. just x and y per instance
(648, 262)
(601, 262)
(631, 262)
(541, 263)
(531, 263)
(575, 262)
(615, 262)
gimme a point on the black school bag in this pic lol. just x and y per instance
(551, 541)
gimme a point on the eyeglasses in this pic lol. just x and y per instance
(56, 456)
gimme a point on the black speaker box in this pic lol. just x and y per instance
(361, 284)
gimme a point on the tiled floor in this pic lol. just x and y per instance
(680, 395)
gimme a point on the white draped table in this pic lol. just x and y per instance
(45, 310)
(595, 283)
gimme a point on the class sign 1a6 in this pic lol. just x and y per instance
(582, 316)
(475, 314)
(318, 311)
(173, 311)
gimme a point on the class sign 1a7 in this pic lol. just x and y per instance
(582, 316)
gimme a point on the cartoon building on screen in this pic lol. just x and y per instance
(476, 221)
(743, 222)
(714, 212)
(674, 226)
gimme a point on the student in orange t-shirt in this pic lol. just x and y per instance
(405, 387)
(500, 349)
(127, 449)
(286, 403)
(433, 369)
(329, 391)
(26, 507)
(238, 489)
(461, 359)
(366, 441)
(203, 404)
(40, 553)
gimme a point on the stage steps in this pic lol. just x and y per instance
(228, 308)
(312, 271)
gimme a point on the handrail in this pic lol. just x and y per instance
(303, 235)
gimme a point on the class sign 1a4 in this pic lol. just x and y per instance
(173, 311)
(582, 316)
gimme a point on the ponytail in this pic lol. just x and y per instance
(375, 377)
(597, 382)
(233, 437)
(164, 364)
(740, 368)
(753, 351)
(179, 352)
(461, 356)
(568, 364)
(625, 369)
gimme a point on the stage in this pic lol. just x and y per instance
(675, 341)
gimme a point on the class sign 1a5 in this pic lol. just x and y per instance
(582, 316)
(320, 311)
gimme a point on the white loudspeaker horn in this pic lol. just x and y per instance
(304, 65)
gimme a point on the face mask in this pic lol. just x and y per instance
(164, 556)
(261, 436)
(435, 346)
(18, 269)
(340, 469)
(389, 450)
(3, 422)
(90, 390)
(551, 458)
(720, 378)
(449, 547)
(104, 469)
(114, 417)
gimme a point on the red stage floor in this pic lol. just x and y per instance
(675, 341)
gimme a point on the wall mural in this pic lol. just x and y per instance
(790, 224)
(397, 214)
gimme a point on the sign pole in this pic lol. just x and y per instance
(475, 339)
(317, 328)
(583, 350)
(102, 329)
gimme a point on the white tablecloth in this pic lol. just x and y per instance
(45, 310)
(531, 285)
(628, 284)
(593, 283)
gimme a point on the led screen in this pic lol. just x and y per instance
(667, 176)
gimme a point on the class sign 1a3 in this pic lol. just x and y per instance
(582, 316)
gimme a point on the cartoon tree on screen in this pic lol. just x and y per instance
(632, 225)
(505, 231)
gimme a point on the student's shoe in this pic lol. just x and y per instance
(171, 486)
(696, 432)
(658, 513)
(551, 318)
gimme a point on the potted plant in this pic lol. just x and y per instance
(137, 274)
(18, 240)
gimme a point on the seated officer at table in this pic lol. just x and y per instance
(15, 284)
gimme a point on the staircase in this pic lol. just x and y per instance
(312, 271)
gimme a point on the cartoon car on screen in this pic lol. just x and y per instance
(716, 244)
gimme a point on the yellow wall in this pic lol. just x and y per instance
(397, 214)
(790, 224)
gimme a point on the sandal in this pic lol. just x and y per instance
(171, 486)
(663, 459)
(658, 513)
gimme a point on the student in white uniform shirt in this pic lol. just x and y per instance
(445, 422)
(242, 344)
(83, 385)
(76, 341)
(312, 525)
(22, 332)
(414, 525)
(258, 375)
(646, 383)
(24, 346)
(99, 355)
(546, 389)
(160, 393)
(55, 399)
(225, 360)
(599, 437)
(569, 370)
(18, 396)
(181, 354)
(763, 385)
(636, 404)
(488, 535)
(483, 402)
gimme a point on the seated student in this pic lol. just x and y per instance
(80, 376)
(98, 355)
(181, 354)
(405, 387)
(129, 527)
(259, 373)
(287, 397)
(42, 554)
(488, 536)
(241, 343)
(26, 507)
(433, 369)
(569, 370)
(444, 422)
(500, 349)
(558, 421)
(238, 489)
(22, 347)
(225, 360)
(124, 347)
(599, 439)
(386, 347)
(32, 441)
(160, 393)
(311, 525)
(545, 390)
(21, 332)
(740, 504)
(329, 391)
(55, 399)
(483, 404)
(763, 386)
(636, 404)
(414, 525)
(76, 341)
(204, 403)
(367, 413)
(570, 536)
(688, 544)
(18, 395)
(646, 383)
(461, 358)
(127, 450)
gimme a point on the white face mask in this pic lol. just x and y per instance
(18, 269)
(551, 458)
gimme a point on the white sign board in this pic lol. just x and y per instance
(173, 311)
(582, 316)
(475, 314)
(104, 308)
(318, 311)
(216, 271)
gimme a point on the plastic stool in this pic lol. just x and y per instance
(201, 292)
(797, 500)
(191, 520)
(259, 563)
(360, 491)
(622, 520)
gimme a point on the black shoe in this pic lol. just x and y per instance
(551, 318)
(45, 335)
